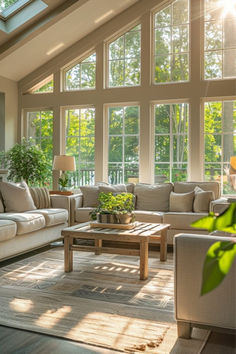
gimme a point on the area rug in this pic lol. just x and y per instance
(102, 302)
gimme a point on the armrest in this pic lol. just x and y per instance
(76, 202)
(61, 201)
(219, 205)
(216, 308)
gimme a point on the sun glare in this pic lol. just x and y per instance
(229, 7)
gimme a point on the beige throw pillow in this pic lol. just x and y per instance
(16, 197)
(40, 197)
(182, 202)
(153, 197)
(1, 206)
(114, 188)
(90, 196)
(202, 200)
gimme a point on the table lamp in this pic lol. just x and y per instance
(64, 163)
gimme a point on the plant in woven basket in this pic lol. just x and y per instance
(26, 161)
(116, 208)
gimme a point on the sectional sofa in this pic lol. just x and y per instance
(177, 204)
(29, 220)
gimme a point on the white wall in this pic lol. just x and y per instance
(10, 89)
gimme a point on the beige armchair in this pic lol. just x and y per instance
(215, 309)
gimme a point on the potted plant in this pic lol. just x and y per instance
(116, 209)
(26, 161)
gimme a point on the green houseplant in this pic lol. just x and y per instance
(116, 209)
(220, 256)
(26, 161)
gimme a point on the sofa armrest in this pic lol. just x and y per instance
(76, 202)
(61, 202)
(217, 308)
(219, 205)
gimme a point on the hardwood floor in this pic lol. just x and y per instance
(14, 341)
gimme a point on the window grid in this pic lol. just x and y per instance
(122, 164)
(124, 58)
(224, 135)
(171, 53)
(171, 163)
(221, 49)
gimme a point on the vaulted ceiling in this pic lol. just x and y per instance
(52, 30)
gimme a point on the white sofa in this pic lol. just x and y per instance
(157, 210)
(26, 231)
(216, 309)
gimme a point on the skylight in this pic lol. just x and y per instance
(4, 4)
(9, 7)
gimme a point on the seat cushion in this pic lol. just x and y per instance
(26, 222)
(153, 197)
(16, 197)
(181, 221)
(148, 216)
(82, 214)
(52, 216)
(7, 230)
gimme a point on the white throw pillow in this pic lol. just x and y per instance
(16, 197)
(181, 202)
(90, 196)
(202, 200)
(153, 197)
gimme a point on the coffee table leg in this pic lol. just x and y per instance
(143, 260)
(98, 243)
(68, 254)
(163, 246)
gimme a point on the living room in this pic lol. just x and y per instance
(141, 95)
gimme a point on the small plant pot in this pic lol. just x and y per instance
(125, 218)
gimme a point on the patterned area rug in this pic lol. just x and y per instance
(102, 302)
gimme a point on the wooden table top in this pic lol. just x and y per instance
(140, 231)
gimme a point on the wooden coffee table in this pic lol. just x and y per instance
(142, 233)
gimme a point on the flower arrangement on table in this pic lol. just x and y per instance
(114, 208)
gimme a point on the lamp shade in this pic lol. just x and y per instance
(64, 163)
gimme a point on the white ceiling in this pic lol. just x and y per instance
(56, 38)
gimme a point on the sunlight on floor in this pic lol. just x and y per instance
(50, 318)
(21, 305)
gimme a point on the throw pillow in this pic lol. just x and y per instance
(202, 200)
(40, 197)
(90, 196)
(16, 197)
(182, 202)
(153, 197)
(1, 206)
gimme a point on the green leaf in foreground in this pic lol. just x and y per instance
(218, 261)
(225, 222)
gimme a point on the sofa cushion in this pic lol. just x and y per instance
(16, 197)
(184, 187)
(113, 188)
(148, 216)
(25, 222)
(202, 200)
(7, 230)
(181, 221)
(52, 216)
(90, 196)
(40, 197)
(82, 214)
(181, 201)
(153, 197)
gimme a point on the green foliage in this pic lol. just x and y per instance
(218, 261)
(26, 161)
(48, 87)
(220, 255)
(121, 203)
(63, 181)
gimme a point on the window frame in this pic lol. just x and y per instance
(112, 39)
(75, 62)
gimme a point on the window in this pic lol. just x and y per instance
(124, 59)
(123, 156)
(171, 43)
(5, 4)
(45, 86)
(220, 40)
(82, 76)
(40, 128)
(80, 143)
(171, 142)
(220, 141)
